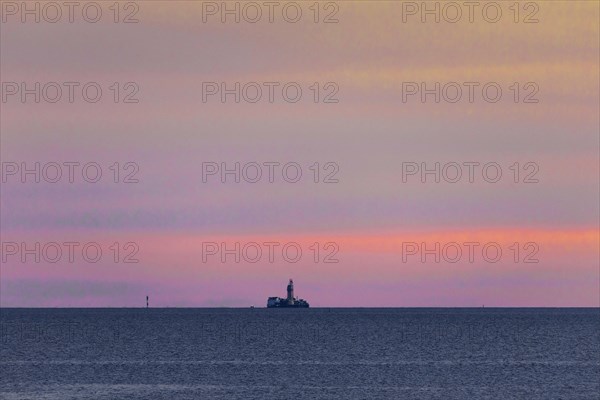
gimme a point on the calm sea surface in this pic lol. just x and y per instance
(344, 354)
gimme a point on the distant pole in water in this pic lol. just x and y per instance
(146, 301)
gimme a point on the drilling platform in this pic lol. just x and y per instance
(289, 302)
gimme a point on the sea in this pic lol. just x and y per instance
(316, 353)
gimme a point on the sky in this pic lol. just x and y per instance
(386, 234)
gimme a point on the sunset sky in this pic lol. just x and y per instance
(369, 133)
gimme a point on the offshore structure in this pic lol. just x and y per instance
(289, 302)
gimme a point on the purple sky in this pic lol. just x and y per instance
(368, 136)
